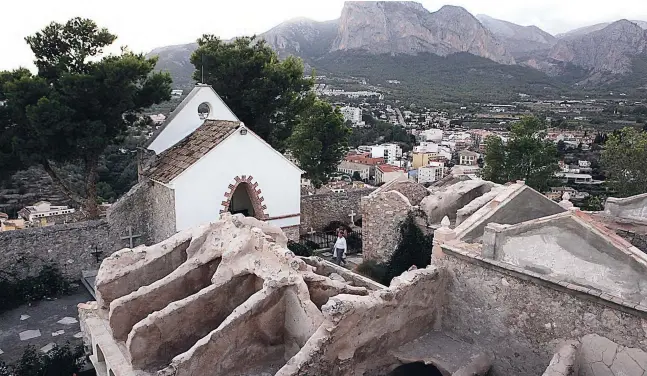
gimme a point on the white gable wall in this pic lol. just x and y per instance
(200, 190)
(187, 119)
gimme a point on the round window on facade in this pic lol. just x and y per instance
(204, 110)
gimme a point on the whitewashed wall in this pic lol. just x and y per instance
(200, 190)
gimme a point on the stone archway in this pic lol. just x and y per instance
(244, 196)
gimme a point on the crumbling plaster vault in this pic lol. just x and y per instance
(230, 299)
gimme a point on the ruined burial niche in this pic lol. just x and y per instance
(416, 369)
(204, 109)
(154, 342)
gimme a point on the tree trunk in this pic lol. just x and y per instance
(91, 205)
(60, 184)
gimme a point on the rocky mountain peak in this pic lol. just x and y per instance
(403, 27)
(518, 40)
(609, 49)
(454, 11)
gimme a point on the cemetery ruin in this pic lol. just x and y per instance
(518, 285)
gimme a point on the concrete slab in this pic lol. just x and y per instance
(47, 348)
(1, 352)
(24, 317)
(67, 321)
(29, 334)
(58, 333)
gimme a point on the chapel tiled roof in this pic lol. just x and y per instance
(172, 162)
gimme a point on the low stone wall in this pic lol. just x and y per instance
(523, 319)
(69, 246)
(634, 207)
(319, 210)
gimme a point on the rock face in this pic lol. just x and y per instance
(518, 40)
(589, 29)
(381, 27)
(607, 50)
(301, 37)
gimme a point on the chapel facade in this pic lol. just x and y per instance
(204, 162)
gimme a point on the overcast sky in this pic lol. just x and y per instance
(145, 24)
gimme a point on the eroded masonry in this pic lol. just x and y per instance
(518, 285)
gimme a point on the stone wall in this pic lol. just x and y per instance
(292, 232)
(522, 319)
(634, 207)
(319, 210)
(638, 240)
(382, 215)
(149, 209)
(68, 246)
(161, 213)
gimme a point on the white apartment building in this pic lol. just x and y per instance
(467, 158)
(426, 147)
(433, 134)
(43, 209)
(352, 114)
(351, 167)
(386, 173)
(431, 173)
(390, 152)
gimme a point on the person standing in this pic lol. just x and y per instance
(340, 248)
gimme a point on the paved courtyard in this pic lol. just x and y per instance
(41, 324)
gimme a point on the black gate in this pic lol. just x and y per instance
(326, 240)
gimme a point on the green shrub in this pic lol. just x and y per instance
(414, 249)
(373, 270)
(4, 369)
(312, 246)
(49, 282)
(299, 249)
(61, 361)
(354, 242)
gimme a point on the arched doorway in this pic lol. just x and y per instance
(241, 202)
(244, 197)
(416, 369)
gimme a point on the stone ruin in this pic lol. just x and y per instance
(521, 286)
(230, 299)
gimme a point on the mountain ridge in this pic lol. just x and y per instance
(407, 28)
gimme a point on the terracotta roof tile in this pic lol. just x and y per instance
(172, 162)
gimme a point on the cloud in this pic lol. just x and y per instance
(145, 24)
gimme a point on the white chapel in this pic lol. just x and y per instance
(207, 162)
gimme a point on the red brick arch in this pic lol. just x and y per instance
(254, 192)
